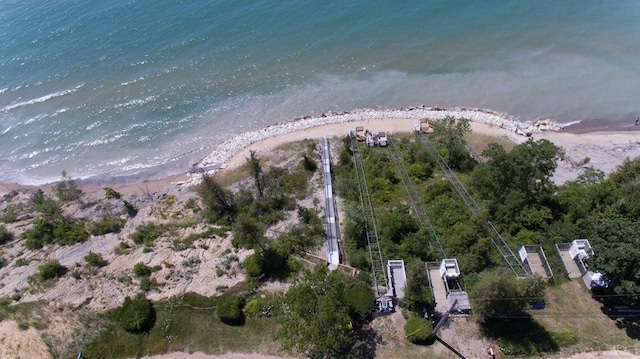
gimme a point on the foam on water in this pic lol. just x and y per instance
(164, 85)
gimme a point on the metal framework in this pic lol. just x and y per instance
(333, 250)
(416, 202)
(375, 253)
(504, 249)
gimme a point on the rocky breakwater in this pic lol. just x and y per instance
(520, 130)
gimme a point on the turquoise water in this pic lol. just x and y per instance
(112, 88)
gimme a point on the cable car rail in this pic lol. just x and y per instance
(503, 248)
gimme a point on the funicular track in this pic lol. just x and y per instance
(505, 251)
(375, 253)
(416, 202)
(442, 286)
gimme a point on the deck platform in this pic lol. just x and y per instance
(535, 261)
(438, 288)
(572, 268)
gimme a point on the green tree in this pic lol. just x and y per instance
(44, 205)
(499, 293)
(248, 233)
(147, 234)
(142, 270)
(518, 181)
(5, 235)
(315, 318)
(67, 190)
(450, 132)
(136, 314)
(229, 309)
(618, 258)
(219, 202)
(397, 224)
(110, 193)
(255, 169)
(416, 291)
(95, 259)
(50, 269)
(360, 299)
(418, 330)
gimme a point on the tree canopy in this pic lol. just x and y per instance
(318, 312)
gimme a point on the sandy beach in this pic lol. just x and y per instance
(605, 149)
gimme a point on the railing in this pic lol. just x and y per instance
(416, 202)
(375, 253)
(499, 242)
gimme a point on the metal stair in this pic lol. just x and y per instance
(375, 253)
(505, 251)
(416, 202)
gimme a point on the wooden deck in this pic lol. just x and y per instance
(570, 265)
(439, 290)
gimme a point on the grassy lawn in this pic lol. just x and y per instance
(187, 325)
(571, 309)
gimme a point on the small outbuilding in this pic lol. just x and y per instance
(449, 269)
(580, 249)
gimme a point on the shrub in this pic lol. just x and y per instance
(359, 298)
(229, 309)
(141, 270)
(110, 193)
(67, 190)
(10, 213)
(131, 209)
(69, 231)
(5, 235)
(49, 270)
(147, 234)
(254, 265)
(136, 315)
(106, 224)
(62, 230)
(418, 330)
(95, 260)
(45, 205)
(147, 284)
(257, 307)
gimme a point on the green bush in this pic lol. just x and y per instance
(62, 231)
(360, 299)
(95, 260)
(110, 193)
(106, 224)
(5, 235)
(147, 234)
(418, 330)
(254, 265)
(229, 309)
(67, 190)
(136, 315)
(141, 270)
(10, 213)
(257, 307)
(49, 270)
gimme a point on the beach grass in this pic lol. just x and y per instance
(190, 325)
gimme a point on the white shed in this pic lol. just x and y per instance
(580, 249)
(449, 268)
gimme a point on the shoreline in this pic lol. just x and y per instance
(616, 142)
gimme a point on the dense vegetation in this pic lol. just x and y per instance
(514, 188)
(518, 196)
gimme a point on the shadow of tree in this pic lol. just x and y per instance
(519, 336)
